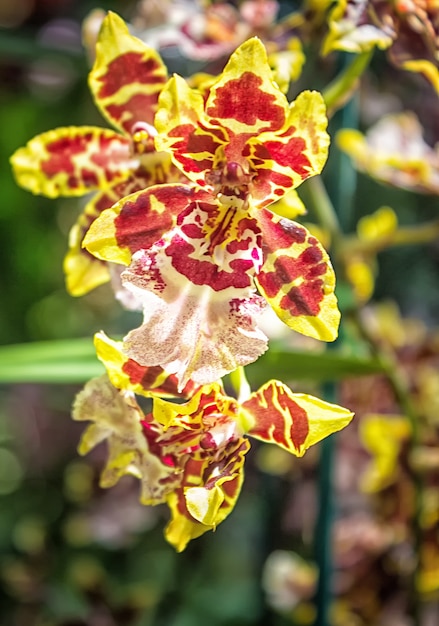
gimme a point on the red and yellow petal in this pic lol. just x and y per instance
(72, 161)
(127, 76)
(285, 159)
(117, 419)
(125, 373)
(83, 270)
(184, 130)
(198, 508)
(293, 421)
(245, 99)
(137, 221)
(297, 278)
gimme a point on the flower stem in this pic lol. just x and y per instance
(240, 384)
(340, 90)
(324, 210)
(408, 235)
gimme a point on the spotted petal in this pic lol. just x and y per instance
(83, 270)
(208, 495)
(293, 421)
(297, 278)
(127, 76)
(285, 159)
(118, 420)
(200, 306)
(184, 130)
(124, 373)
(137, 221)
(243, 102)
(71, 161)
(245, 99)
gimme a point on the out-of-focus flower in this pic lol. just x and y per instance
(374, 232)
(243, 149)
(408, 28)
(288, 580)
(209, 32)
(394, 152)
(125, 81)
(191, 455)
(388, 479)
(383, 436)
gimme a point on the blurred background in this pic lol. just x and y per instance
(72, 554)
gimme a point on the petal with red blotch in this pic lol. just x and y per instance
(298, 151)
(200, 306)
(83, 270)
(245, 99)
(138, 221)
(199, 335)
(293, 421)
(127, 76)
(185, 132)
(207, 496)
(297, 278)
(72, 161)
(117, 419)
(124, 373)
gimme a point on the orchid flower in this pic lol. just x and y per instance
(191, 455)
(395, 152)
(408, 29)
(243, 147)
(125, 82)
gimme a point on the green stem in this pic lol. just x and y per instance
(323, 539)
(408, 235)
(240, 384)
(324, 210)
(338, 92)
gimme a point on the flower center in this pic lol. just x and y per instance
(230, 183)
(142, 138)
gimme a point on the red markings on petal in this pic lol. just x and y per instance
(201, 272)
(242, 99)
(213, 246)
(105, 150)
(129, 68)
(192, 145)
(278, 418)
(289, 154)
(302, 299)
(282, 233)
(144, 218)
(140, 107)
(152, 378)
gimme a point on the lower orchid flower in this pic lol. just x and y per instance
(191, 455)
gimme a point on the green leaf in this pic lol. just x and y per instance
(303, 365)
(66, 361)
(74, 361)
